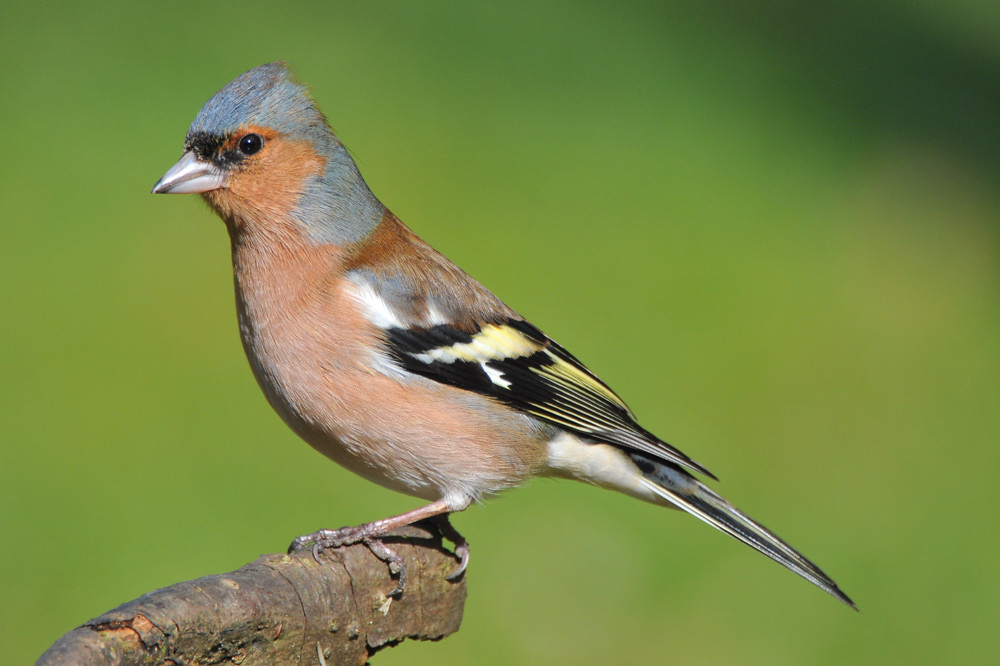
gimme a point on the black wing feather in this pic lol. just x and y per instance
(515, 363)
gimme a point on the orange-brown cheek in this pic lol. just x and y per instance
(267, 187)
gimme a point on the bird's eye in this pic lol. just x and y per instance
(250, 144)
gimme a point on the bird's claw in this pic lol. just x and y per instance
(369, 535)
(397, 566)
(348, 536)
(462, 551)
(449, 532)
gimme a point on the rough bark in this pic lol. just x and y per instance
(280, 609)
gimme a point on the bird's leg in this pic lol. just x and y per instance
(370, 534)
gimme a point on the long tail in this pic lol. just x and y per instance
(685, 492)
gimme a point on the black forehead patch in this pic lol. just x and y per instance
(208, 146)
(204, 144)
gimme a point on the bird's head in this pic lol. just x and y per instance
(261, 153)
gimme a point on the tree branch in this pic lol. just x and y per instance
(278, 609)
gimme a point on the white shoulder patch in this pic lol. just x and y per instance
(435, 317)
(378, 311)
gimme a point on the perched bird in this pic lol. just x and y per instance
(392, 361)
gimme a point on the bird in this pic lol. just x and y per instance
(391, 360)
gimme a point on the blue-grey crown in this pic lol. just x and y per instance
(266, 96)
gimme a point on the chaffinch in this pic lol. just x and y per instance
(392, 361)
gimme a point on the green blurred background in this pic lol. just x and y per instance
(771, 226)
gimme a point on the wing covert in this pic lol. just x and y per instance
(515, 363)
